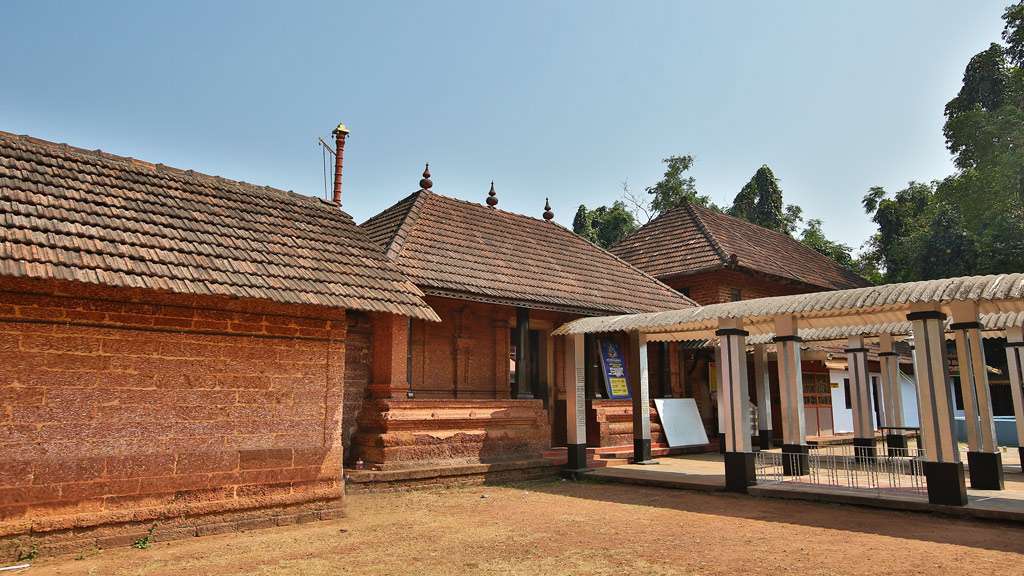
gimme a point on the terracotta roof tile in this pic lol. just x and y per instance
(73, 214)
(462, 249)
(692, 239)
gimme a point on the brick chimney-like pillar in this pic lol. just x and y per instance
(340, 133)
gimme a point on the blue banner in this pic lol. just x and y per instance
(613, 364)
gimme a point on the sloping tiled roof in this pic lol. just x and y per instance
(693, 239)
(454, 248)
(72, 214)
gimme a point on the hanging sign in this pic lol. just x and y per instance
(614, 367)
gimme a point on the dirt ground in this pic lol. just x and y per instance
(568, 528)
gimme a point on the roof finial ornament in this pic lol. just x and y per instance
(425, 183)
(548, 214)
(492, 196)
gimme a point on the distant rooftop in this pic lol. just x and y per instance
(692, 239)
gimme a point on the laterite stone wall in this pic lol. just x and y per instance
(126, 409)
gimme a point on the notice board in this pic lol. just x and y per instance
(613, 366)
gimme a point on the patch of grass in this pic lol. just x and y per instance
(27, 555)
(145, 541)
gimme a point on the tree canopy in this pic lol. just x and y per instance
(673, 190)
(604, 225)
(971, 222)
(760, 202)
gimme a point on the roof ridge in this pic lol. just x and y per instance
(707, 233)
(409, 220)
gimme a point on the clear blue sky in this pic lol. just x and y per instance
(559, 99)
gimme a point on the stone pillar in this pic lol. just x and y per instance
(641, 401)
(860, 392)
(575, 370)
(764, 397)
(524, 388)
(390, 370)
(791, 397)
(888, 360)
(739, 458)
(1015, 362)
(984, 462)
(719, 403)
(943, 470)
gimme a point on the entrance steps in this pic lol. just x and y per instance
(605, 456)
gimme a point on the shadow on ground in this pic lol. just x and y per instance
(895, 524)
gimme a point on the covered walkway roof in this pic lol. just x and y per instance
(828, 315)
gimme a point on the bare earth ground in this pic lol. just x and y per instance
(582, 528)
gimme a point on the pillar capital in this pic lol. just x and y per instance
(786, 326)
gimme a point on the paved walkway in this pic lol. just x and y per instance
(706, 472)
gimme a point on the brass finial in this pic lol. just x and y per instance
(548, 214)
(425, 183)
(492, 196)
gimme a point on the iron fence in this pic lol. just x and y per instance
(876, 469)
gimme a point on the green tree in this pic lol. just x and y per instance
(604, 225)
(583, 224)
(760, 202)
(674, 189)
(814, 237)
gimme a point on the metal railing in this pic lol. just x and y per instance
(875, 469)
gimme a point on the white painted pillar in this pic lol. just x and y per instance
(739, 458)
(574, 377)
(719, 401)
(641, 402)
(1015, 362)
(764, 396)
(984, 462)
(888, 360)
(943, 471)
(860, 393)
(791, 396)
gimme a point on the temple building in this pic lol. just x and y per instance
(172, 347)
(482, 392)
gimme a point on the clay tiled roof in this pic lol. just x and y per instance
(71, 214)
(454, 248)
(693, 239)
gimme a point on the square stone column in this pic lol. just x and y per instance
(984, 462)
(764, 397)
(943, 470)
(888, 360)
(860, 390)
(1015, 362)
(641, 401)
(574, 377)
(390, 369)
(739, 458)
(791, 397)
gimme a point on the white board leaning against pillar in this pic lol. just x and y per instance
(680, 420)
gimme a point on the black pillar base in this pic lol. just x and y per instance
(986, 470)
(577, 458)
(864, 448)
(642, 451)
(794, 459)
(896, 445)
(945, 483)
(764, 439)
(739, 471)
(721, 442)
